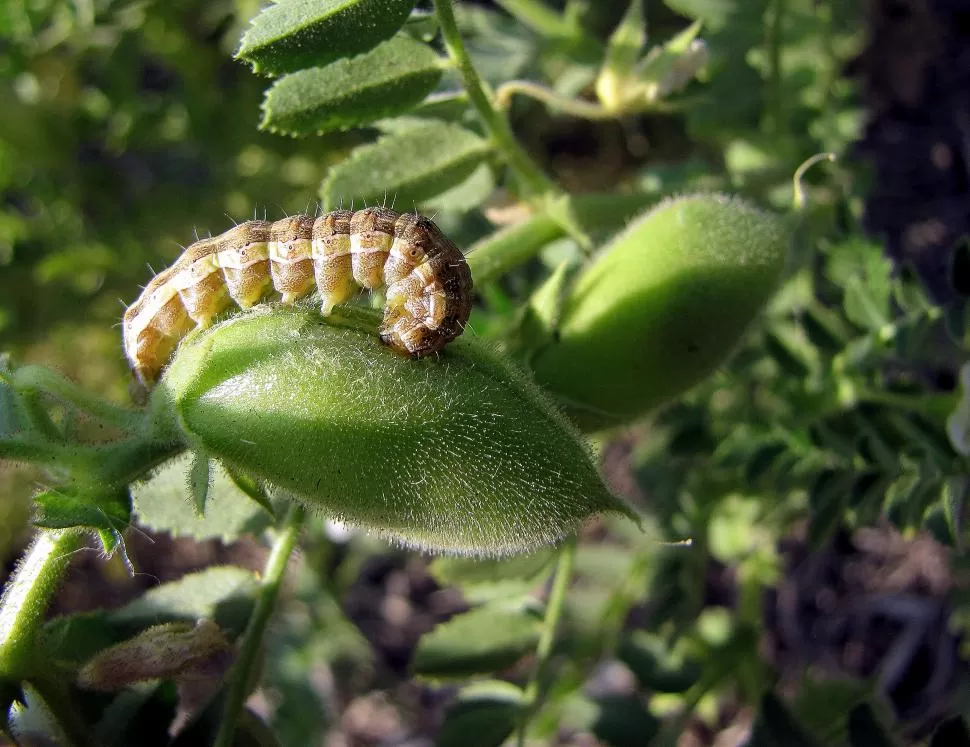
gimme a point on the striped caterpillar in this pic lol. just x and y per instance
(428, 281)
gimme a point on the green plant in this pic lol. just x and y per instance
(624, 309)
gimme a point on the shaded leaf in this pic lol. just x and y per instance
(411, 165)
(482, 715)
(163, 503)
(220, 593)
(622, 721)
(388, 80)
(822, 706)
(828, 498)
(656, 667)
(447, 105)
(296, 34)
(489, 578)
(482, 641)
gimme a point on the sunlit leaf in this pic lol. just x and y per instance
(386, 81)
(296, 34)
(408, 167)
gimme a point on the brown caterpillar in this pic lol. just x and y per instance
(428, 282)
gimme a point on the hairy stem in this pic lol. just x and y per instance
(532, 177)
(115, 463)
(242, 670)
(574, 107)
(512, 246)
(550, 624)
(27, 594)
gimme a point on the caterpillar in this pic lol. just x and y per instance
(428, 296)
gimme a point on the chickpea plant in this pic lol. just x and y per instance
(270, 415)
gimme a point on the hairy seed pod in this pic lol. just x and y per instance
(662, 307)
(428, 283)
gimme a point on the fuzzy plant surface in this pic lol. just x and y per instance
(695, 460)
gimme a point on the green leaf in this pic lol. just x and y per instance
(297, 34)
(200, 480)
(536, 321)
(164, 503)
(615, 720)
(466, 197)
(485, 640)
(65, 507)
(220, 593)
(822, 706)
(655, 666)
(482, 715)
(828, 498)
(714, 12)
(411, 165)
(481, 579)
(386, 81)
(447, 105)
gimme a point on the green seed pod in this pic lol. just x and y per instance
(662, 307)
(455, 453)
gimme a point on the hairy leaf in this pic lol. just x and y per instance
(409, 166)
(296, 34)
(166, 503)
(386, 81)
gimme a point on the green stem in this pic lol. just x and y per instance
(115, 463)
(39, 378)
(242, 671)
(26, 596)
(776, 124)
(531, 176)
(550, 624)
(574, 107)
(510, 247)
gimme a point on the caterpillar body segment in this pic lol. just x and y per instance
(428, 283)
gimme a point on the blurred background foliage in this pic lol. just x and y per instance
(127, 125)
